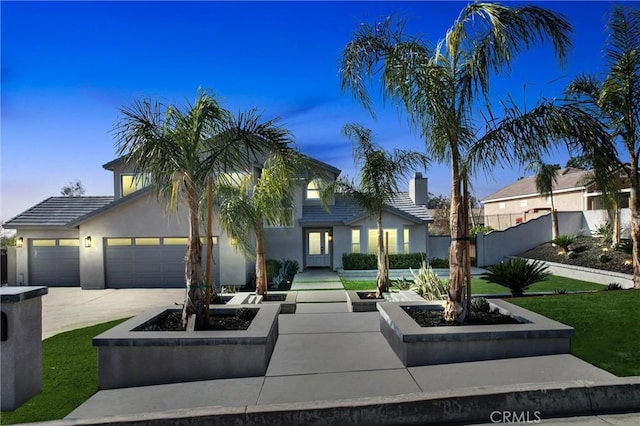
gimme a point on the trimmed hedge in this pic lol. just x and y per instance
(352, 261)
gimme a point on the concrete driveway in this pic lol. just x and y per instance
(68, 308)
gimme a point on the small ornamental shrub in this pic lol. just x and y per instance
(625, 246)
(427, 284)
(563, 241)
(604, 232)
(402, 283)
(560, 291)
(516, 274)
(480, 229)
(614, 287)
(604, 258)
(273, 267)
(480, 304)
(571, 254)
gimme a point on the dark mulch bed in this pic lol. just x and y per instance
(587, 254)
(431, 318)
(173, 321)
(274, 297)
(368, 295)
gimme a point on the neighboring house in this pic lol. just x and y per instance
(131, 240)
(520, 201)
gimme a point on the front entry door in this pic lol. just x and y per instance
(318, 248)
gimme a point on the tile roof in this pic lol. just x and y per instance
(58, 211)
(568, 178)
(345, 212)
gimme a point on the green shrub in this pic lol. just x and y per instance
(516, 274)
(402, 284)
(614, 287)
(571, 254)
(480, 304)
(604, 258)
(560, 291)
(352, 261)
(604, 232)
(273, 267)
(563, 241)
(427, 284)
(291, 268)
(480, 229)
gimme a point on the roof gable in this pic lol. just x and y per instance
(568, 178)
(58, 211)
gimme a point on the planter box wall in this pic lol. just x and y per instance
(129, 358)
(416, 345)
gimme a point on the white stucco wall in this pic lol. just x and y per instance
(287, 243)
(146, 217)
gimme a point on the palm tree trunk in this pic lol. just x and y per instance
(554, 219)
(454, 308)
(383, 285)
(261, 266)
(634, 204)
(194, 301)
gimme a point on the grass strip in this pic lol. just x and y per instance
(69, 376)
(607, 333)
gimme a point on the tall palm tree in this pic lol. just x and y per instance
(249, 204)
(438, 88)
(379, 176)
(616, 100)
(546, 178)
(178, 149)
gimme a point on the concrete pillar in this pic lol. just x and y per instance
(20, 345)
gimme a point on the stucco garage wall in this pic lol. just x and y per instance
(146, 217)
(22, 253)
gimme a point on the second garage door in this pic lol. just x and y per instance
(150, 262)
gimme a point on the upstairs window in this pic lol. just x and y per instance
(131, 183)
(313, 190)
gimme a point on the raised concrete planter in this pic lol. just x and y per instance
(21, 347)
(598, 276)
(129, 358)
(357, 304)
(417, 345)
(287, 306)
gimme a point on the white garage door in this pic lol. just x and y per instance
(153, 262)
(54, 262)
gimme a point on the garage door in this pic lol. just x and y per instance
(54, 262)
(151, 262)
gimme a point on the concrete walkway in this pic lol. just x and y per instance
(324, 353)
(316, 279)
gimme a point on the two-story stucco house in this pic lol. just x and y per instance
(520, 201)
(131, 239)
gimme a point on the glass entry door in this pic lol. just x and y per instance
(318, 248)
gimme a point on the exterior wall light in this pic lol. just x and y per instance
(20, 242)
(87, 242)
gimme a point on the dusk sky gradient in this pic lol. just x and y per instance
(68, 67)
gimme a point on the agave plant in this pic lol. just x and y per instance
(427, 283)
(516, 274)
(563, 241)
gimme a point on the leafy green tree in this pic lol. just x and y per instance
(178, 149)
(439, 87)
(73, 189)
(546, 178)
(580, 162)
(249, 204)
(616, 100)
(379, 177)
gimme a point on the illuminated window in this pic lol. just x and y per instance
(405, 240)
(174, 241)
(315, 243)
(393, 240)
(355, 241)
(43, 243)
(69, 242)
(313, 190)
(147, 241)
(118, 241)
(131, 183)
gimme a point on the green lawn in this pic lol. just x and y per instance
(606, 324)
(480, 286)
(69, 376)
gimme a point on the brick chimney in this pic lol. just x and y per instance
(418, 189)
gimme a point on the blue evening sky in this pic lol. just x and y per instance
(68, 67)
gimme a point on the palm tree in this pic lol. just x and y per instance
(438, 87)
(546, 178)
(249, 204)
(178, 149)
(616, 100)
(380, 173)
